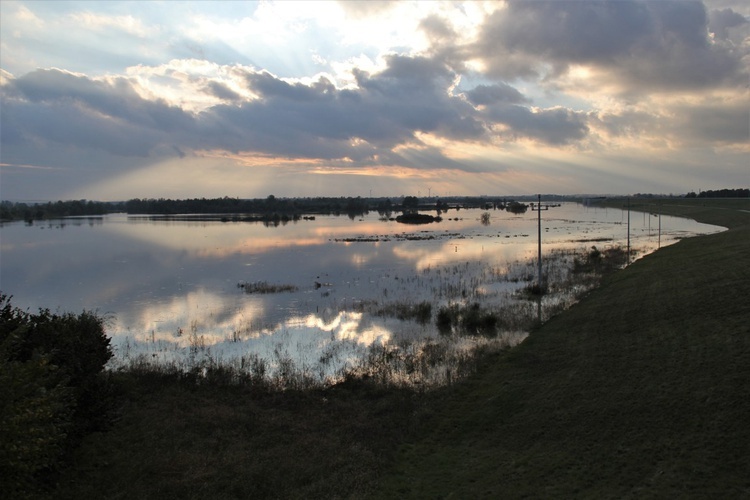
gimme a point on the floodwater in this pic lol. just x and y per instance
(171, 288)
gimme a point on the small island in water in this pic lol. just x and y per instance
(417, 218)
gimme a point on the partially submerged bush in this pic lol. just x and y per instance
(421, 312)
(470, 319)
(601, 261)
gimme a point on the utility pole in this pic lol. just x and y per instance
(539, 231)
(628, 230)
(540, 280)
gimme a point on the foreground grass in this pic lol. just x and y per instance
(640, 390)
(182, 439)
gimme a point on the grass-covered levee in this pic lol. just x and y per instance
(641, 390)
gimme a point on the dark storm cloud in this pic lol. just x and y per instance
(115, 99)
(363, 125)
(70, 124)
(644, 44)
(386, 110)
(52, 105)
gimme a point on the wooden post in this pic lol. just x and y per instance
(539, 228)
(628, 230)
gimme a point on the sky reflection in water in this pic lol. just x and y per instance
(170, 285)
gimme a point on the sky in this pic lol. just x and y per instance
(118, 100)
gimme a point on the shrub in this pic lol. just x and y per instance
(475, 321)
(52, 390)
(446, 317)
(470, 319)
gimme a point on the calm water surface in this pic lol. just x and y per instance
(169, 285)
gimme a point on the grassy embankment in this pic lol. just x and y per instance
(641, 389)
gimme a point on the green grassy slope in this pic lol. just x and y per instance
(640, 390)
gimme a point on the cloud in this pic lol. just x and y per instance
(80, 112)
(99, 22)
(713, 123)
(363, 124)
(221, 91)
(722, 20)
(655, 45)
(482, 95)
(554, 126)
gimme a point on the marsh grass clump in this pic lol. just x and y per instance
(534, 290)
(421, 312)
(426, 364)
(477, 321)
(416, 364)
(264, 287)
(469, 319)
(600, 261)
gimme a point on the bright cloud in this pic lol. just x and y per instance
(114, 100)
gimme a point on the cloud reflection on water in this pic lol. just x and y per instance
(171, 284)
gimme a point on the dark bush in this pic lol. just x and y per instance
(476, 321)
(469, 319)
(423, 312)
(446, 318)
(52, 390)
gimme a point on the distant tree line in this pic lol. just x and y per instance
(164, 206)
(52, 210)
(720, 193)
(266, 208)
(269, 205)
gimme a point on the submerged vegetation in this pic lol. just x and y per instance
(264, 287)
(474, 307)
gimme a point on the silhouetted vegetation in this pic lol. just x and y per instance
(516, 207)
(415, 218)
(601, 261)
(721, 193)
(50, 210)
(264, 287)
(469, 319)
(269, 205)
(421, 312)
(53, 392)
(270, 209)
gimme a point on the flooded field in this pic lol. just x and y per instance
(312, 299)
